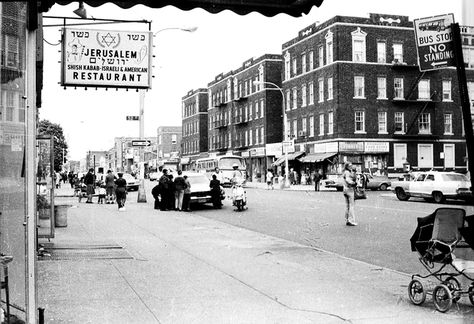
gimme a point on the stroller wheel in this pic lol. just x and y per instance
(416, 292)
(453, 284)
(442, 298)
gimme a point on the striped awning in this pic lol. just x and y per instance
(291, 157)
(316, 157)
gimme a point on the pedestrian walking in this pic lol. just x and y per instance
(165, 185)
(121, 191)
(215, 186)
(187, 194)
(179, 186)
(317, 180)
(269, 179)
(110, 187)
(349, 184)
(291, 176)
(89, 181)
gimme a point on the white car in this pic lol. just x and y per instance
(200, 190)
(132, 182)
(434, 186)
(154, 176)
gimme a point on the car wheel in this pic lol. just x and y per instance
(438, 197)
(401, 194)
(383, 187)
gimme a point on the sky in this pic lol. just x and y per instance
(183, 61)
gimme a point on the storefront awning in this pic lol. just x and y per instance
(291, 157)
(269, 8)
(316, 157)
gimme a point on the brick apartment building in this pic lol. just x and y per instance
(195, 124)
(354, 92)
(168, 144)
(245, 118)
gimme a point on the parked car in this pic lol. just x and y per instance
(132, 182)
(434, 186)
(200, 190)
(375, 182)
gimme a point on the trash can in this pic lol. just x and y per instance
(60, 215)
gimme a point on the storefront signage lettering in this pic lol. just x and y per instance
(106, 58)
(376, 147)
(351, 146)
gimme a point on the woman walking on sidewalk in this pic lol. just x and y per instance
(121, 191)
(349, 184)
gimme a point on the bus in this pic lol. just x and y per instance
(224, 163)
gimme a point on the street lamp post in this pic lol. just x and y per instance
(285, 133)
(141, 106)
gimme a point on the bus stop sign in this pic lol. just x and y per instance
(434, 42)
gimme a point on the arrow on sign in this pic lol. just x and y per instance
(439, 63)
(141, 143)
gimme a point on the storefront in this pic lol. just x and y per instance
(367, 156)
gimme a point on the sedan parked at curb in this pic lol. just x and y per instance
(434, 186)
(200, 190)
(375, 182)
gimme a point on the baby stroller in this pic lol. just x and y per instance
(436, 238)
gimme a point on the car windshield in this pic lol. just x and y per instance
(198, 179)
(454, 177)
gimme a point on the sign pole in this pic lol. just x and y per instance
(464, 97)
(141, 189)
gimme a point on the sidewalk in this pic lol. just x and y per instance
(147, 266)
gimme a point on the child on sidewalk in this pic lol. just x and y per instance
(102, 194)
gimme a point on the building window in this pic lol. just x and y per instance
(329, 47)
(381, 52)
(424, 123)
(311, 60)
(448, 124)
(399, 122)
(262, 108)
(287, 67)
(295, 98)
(321, 56)
(293, 67)
(424, 89)
(321, 90)
(321, 124)
(447, 90)
(398, 88)
(397, 53)
(11, 57)
(330, 89)
(262, 135)
(311, 93)
(303, 63)
(295, 128)
(303, 126)
(288, 100)
(468, 56)
(330, 122)
(303, 95)
(359, 119)
(381, 88)
(358, 45)
(257, 109)
(251, 137)
(311, 125)
(359, 87)
(382, 122)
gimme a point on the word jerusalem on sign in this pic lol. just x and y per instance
(434, 42)
(133, 117)
(141, 143)
(106, 58)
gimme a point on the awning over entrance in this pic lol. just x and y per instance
(295, 8)
(316, 157)
(291, 157)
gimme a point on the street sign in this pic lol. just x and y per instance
(141, 143)
(434, 42)
(133, 118)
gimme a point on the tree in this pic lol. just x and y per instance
(45, 127)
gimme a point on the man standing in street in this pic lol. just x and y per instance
(110, 187)
(317, 180)
(89, 181)
(165, 188)
(349, 184)
(179, 186)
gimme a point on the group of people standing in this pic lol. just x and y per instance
(172, 193)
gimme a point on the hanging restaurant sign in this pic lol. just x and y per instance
(106, 58)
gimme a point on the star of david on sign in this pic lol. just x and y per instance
(108, 39)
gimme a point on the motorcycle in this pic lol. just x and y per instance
(239, 197)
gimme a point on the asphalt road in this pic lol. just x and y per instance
(317, 219)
